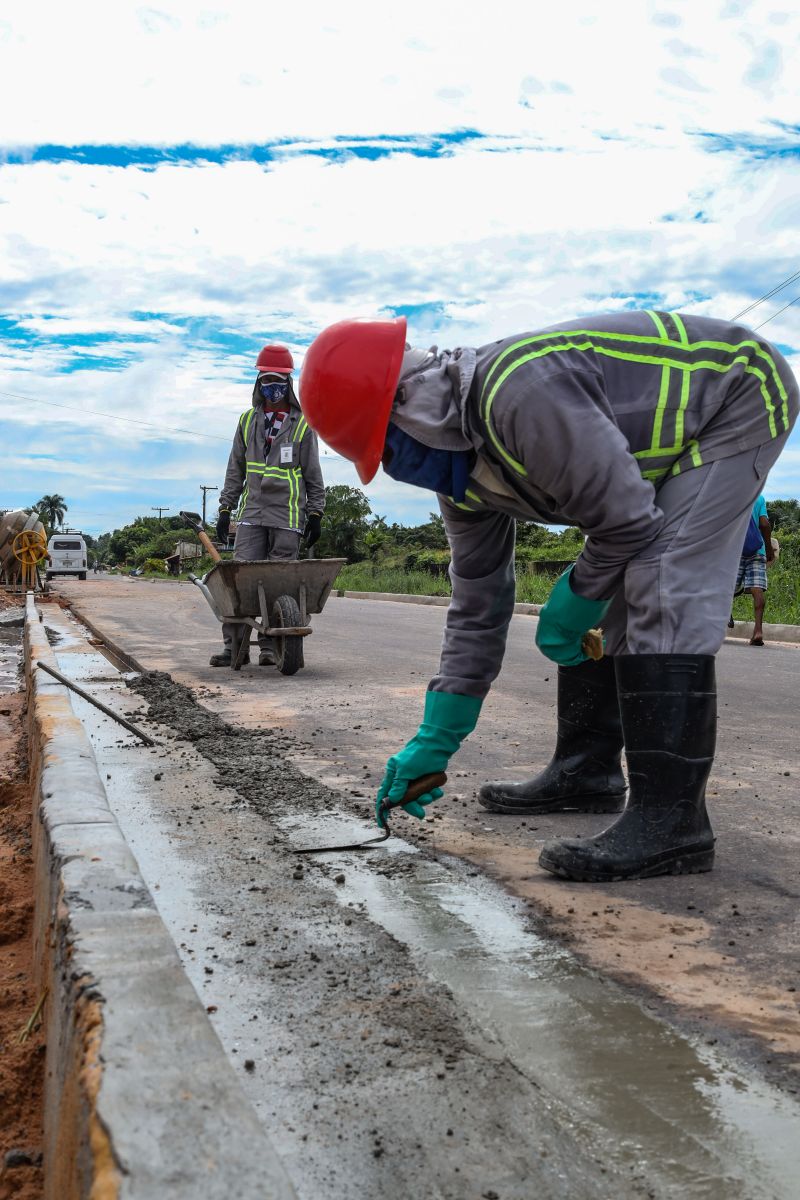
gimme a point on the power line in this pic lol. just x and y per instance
(132, 420)
(776, 314)
(755, 303)
(107, 416)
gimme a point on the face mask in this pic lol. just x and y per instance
(408, 461)
(273, 393)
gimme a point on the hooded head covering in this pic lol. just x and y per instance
(429, 404)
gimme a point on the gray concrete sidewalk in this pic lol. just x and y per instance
(140, 1099)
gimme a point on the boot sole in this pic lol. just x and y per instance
(580, 804)
(692, 863)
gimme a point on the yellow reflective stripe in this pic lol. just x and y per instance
(650, 360)
(693, 449)
(646, 340)
(680, 328)
(661, 407)
(299, 433)
(684, 403)
(291, 476)
(655, 473)
(659, 324)
(247, 417)
(294, 499)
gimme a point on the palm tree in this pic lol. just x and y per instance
(51, 509)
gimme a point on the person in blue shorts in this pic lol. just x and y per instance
(752, 574)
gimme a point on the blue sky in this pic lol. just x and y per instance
(180, 183)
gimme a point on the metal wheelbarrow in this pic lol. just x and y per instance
(274, 598)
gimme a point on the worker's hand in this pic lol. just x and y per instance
(564, 620)
(223, 524)
(448, 719)
(313, 529)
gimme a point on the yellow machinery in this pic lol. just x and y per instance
(23, 545)
(30, 548)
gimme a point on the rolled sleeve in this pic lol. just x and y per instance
(482, 603)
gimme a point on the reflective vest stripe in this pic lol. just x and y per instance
(244, 423)
(643, 349)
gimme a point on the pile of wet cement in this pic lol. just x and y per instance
(256, 764)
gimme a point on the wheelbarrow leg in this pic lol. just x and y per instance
(240, 644)
(269, 645)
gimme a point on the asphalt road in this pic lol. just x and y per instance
(718, 952)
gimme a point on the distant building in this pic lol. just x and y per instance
(185, 552)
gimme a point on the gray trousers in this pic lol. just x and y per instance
(260, 543)
(676, 594)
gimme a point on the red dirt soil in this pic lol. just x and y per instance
(21, 1063)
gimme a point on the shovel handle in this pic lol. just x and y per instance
(195, 522)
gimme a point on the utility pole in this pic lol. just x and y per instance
(159, 509)
(206, 488)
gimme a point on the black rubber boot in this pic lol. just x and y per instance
(584, 774)
(266, 655)
(224, 659)
(669, 719)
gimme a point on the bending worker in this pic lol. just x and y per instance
(653, 433)
(274, 468)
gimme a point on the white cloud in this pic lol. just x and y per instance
(159, 285)
(246, 72)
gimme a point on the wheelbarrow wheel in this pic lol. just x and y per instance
(288, 650)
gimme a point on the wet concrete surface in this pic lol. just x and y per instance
(11, 621)
(402, 1026)
(717, 952)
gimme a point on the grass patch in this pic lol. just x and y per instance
(783, 598)
(369, 577)
(783, 595)
(532, 588)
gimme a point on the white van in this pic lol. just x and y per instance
(66, 555)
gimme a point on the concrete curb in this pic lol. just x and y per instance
(528, 610)
(742, 629)
(140, 1100)
(772, 633)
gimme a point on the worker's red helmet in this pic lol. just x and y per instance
(277, 359)
(347, 387)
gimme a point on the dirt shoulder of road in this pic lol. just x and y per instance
(21, 1061)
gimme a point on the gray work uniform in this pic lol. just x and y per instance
(273, 488)
(652, 432)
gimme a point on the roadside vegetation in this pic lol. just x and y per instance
(388, 557)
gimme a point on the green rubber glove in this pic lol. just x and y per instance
(564, 620)
(448, 719)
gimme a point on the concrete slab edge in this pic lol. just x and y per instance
(125, 659)
(140, 1100)
(528, 610)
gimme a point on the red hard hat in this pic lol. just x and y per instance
(275, 358)
(348, 384)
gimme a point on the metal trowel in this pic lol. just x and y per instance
(417, 788)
